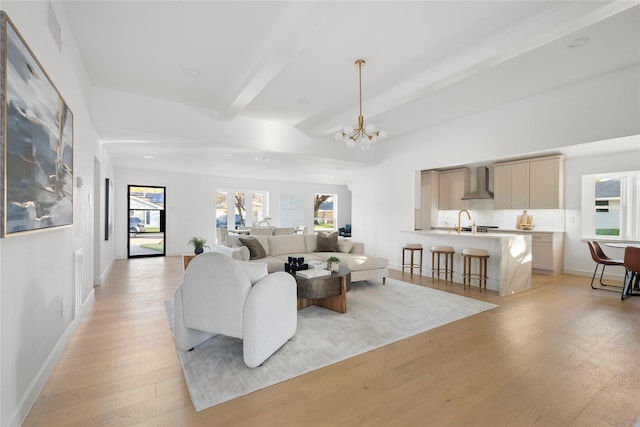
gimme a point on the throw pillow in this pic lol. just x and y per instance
(255, 270)
(245, 255)
(345, 246)
(256, 251)
(230, 252)
(327, 242)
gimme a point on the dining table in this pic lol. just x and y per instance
(623, 245)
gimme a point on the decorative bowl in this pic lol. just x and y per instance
(526, 226)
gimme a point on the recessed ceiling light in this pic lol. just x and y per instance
(149, 157)
(193, 72)
(227, 155)
(303, 101)
(578, 42)
(262, 159)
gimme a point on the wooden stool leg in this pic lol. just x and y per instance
(433, 271)
(420, 263)
(484, 273)
(451, 272)
(464, 272)
(403, 252)
(411, 268)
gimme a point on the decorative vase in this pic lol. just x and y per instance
(334, 266)
(198, 251)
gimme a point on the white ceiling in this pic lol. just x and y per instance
(256, 61)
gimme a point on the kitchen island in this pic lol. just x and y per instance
(509, 264)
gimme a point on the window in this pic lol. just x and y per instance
(249, 208)
(607, 197)
(610, 205)
(324, 212)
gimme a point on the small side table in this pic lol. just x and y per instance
(186, 259)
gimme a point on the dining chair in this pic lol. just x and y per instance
(632, 264)
(600, 258)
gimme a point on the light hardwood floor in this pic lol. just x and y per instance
(559, 354)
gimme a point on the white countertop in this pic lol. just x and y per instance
(496, 231)
(529, 231)
(481, 235)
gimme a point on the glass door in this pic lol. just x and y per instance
(146, 221)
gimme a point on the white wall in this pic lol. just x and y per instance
(602, 108)
(106, 248)
(36, 270)
(577, 259)
(191, 203)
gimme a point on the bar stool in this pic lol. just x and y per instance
(437, 251)
(413, 247)
(468, 255)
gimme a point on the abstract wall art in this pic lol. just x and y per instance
(36, 142)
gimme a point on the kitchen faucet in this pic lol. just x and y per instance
(460, 213)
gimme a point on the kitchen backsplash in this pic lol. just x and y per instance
(543, 219)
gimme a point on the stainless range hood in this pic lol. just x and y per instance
(482, 192)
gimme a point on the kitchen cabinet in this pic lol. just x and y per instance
(423, 219)
(546, 189)
(427, 211)
(452, 186)
(547, 253)
(511, 186)
(529, 184)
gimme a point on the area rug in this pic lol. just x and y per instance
(376, 315)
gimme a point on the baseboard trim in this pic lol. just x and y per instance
(105, 273)
(34, 389)
(607, 275)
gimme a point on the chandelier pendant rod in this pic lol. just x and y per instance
(350, 135)
(360, 63)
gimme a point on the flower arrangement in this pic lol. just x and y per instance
(333, 264)
(198, 243)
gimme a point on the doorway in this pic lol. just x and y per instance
(146, 234)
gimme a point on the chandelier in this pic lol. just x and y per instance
(365, 135)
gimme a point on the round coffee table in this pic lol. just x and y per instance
(328, 292)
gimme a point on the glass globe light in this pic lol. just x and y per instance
(350, 143)
(382, 134)
(370, 128)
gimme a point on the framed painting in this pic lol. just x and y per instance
(108, 208)
(37, 142)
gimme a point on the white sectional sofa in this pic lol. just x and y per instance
(278, 248)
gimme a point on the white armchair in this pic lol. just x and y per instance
(216, 297)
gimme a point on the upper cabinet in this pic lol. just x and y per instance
(529, 184)
(453, 185)
(547, 183)
(511, 185)
(429, 190)
(427, 211)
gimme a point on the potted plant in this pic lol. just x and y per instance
(333, 264)
(199, 244)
